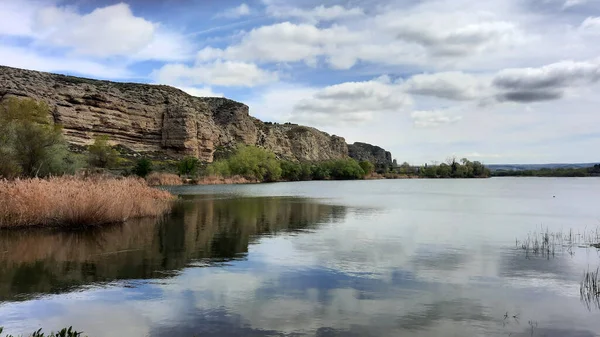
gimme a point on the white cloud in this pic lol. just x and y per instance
(236, 12)
(221, 73)
(275, 103)
(27, 59)
(16, 17)
(545, 83)
(201, 92)
(283, 42)
(112, 30)
(434, 118)
(448, 85)
(591, 25)
(353, 101)
(317, 14)
(572, 3)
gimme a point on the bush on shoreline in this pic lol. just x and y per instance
(75, 202)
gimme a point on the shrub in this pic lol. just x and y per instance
(188, 166)
(219, 168)
(345, 169)
(251, 162)
(101, 154)
(291, 171)
(72, 201)
(29, 144)
(143, 167)
(163, 179)
(367, 167)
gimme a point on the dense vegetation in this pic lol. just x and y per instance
(552, 172)
(31, 145)
(34, 147)
(256, 164)
(450, 169)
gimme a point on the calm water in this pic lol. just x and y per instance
(362, 258)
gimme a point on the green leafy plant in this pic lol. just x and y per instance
(188, 166)
(101, 154)
(143, 167)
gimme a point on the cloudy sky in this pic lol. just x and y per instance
(501, 81)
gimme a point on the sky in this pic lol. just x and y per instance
(499, 81)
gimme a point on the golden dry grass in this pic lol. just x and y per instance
(72, 201)
(163, 179)
(218, 180)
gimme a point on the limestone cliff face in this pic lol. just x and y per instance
(157, 118)
(374, 154)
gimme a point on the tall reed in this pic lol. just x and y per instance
(76, 201)
(163, 179)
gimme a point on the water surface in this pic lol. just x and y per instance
(356, 258)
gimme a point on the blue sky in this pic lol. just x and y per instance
(499, 81)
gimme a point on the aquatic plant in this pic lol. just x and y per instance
(78, 201)
(589, 289)
(546, 243)
(65, 332)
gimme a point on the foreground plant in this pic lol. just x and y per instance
(66, 332)
(72, 201)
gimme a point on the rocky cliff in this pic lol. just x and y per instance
(372, 153)
(158, 118)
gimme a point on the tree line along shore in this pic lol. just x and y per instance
(43, 182)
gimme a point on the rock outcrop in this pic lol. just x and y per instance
(372, 153)
(163, 119)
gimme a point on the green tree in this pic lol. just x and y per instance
(291, 171)
(321, 171)
(255, 163)
(143, 167)
(101, 154)
(189, 166)
(444, 170)
(219, 168)
(30, 144)
(345, 169)
(367, 167)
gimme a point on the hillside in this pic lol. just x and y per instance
(165, 120)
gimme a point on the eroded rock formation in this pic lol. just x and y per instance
(372, 153)
(158, 118)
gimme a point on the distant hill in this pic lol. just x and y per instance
(521, 167)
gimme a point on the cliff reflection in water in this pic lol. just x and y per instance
(200, 228)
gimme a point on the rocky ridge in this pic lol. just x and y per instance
(163, 119)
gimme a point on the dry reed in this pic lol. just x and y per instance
(74, 202)
(163, 179)
(218, 180)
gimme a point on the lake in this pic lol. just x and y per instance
(335, 258)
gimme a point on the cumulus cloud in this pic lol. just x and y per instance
(544, 83)
(221, 73)
(416, 39)
(282, 42)
(236, 12)
(433, 118)
(27, 59)
(201, 92)
(353, 101)
(448, 85)
(591, 25)
(112, 30)
(317, 14)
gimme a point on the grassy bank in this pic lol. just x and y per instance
(73, 202)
